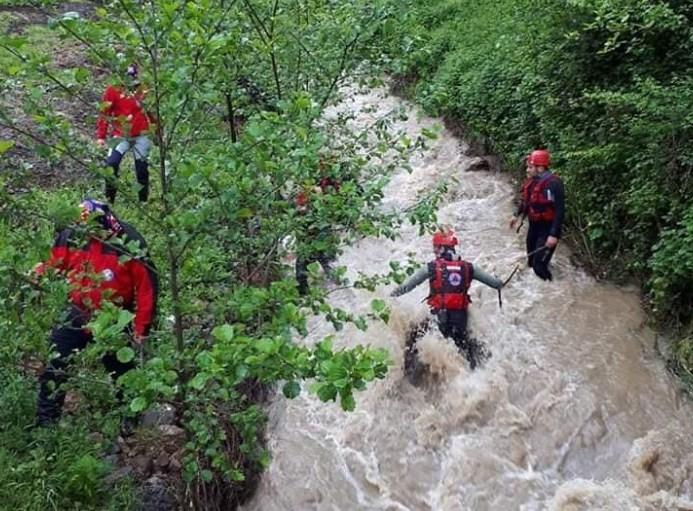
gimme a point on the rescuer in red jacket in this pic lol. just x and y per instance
(449, 279)
(543, 203)
(99, 270)
(123, 118)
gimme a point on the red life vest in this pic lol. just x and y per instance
(449, 283)
(538, 207)
(124, 113)
(524, 194)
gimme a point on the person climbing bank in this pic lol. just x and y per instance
(99, 270)
(542, 201)
(123, 117)
(449, 280)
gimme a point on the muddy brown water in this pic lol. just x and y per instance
(573, 411)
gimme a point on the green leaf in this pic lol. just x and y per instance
(206, 475)
(265, 345)
(82, 75)
(199, 381)
(15, 42)
(6, 145)
(223, 333)
(429, 133)
(327, 392)
(347, 400)
(124, 319)
(241, 371)
(138, 404)
(361, 324)
(125, 355)
(378, 305)
(244, 213)
(291, 389)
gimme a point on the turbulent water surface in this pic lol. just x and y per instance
(573, 410)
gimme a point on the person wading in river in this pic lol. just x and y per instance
(543, 202)
(449, 279)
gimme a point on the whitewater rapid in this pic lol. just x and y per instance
(574, 410)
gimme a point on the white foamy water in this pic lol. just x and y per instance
(573, 411)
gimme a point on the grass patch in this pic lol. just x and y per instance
(56, 468)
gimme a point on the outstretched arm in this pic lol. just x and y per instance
(60, 254)
(487, 278)
(420, 276)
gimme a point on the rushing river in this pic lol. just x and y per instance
(574, 410)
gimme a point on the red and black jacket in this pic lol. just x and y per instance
(124, 113)
(449, 283)
(96, 274)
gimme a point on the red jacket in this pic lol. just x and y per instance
(95, 274)
(124, 113)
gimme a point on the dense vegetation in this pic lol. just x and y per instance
(240, 89)
(607, 86)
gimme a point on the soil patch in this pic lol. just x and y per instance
(21, 164)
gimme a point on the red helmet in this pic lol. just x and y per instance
(540, 158)
(444, 239)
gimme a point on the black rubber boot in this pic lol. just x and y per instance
(51, 398)
(142, 173)
(113, 161)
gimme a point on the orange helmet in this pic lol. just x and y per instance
(540, 158)
(444, 239)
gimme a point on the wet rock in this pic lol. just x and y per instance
(175, 463)
(171, 431)
(115, 448)
(142, 465)
(111, 459)
(119, 474)
(161, 415)
(162, 461)
(478, 164)
(156, 496)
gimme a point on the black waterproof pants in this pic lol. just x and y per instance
(453, 325)
(141, 172)
(302, 269)
(67, 338)
(539, 258)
